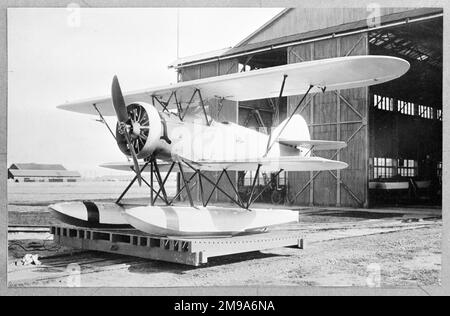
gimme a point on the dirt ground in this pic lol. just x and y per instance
(342, 249)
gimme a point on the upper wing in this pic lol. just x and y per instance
(334, 74)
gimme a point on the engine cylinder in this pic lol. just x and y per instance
(145, 130)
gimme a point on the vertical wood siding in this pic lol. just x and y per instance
(326, 114)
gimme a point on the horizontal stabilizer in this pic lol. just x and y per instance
(314, 144)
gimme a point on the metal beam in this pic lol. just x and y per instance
(353, 195)
(335, 123)
(354, 46)
(313, 177)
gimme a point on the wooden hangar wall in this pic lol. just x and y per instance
(331, 116)
(341, 116)
(219, 111)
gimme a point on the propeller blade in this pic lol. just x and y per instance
(135, 160)
(122, 116)
(118, 101)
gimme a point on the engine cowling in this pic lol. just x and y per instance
(145, 129)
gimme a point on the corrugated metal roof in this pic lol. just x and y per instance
(35, 166)
(317, 34)
(359, 25)
(44, 173)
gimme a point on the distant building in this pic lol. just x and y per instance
(32, 172)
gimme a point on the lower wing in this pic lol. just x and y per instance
(292, 164)
(314, 144)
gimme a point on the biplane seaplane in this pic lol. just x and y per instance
(168, 129)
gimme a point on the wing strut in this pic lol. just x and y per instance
(182, 112)
(203, 107)
(164, 105)
(202, 104)
(278, 105)
(269, 147)
(102, 119)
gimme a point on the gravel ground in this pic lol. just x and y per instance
(406, 258)
(340, 246)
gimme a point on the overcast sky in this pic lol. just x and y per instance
(56, 55)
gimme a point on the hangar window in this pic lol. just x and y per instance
(407, 168)
(439, 170)
(248, 179)
(426, 112)
(383, 168)
(383, 103)
(244, 68)
(406, 107)
(283, 178)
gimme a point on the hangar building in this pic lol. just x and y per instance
(32, 172)
(393, 130)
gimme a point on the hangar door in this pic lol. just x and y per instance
(338, 115)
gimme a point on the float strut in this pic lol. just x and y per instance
(131, 184)
(188, 189)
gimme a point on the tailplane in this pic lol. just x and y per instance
(295, 133)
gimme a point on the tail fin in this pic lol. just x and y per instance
(296, 130)
(296, 134)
